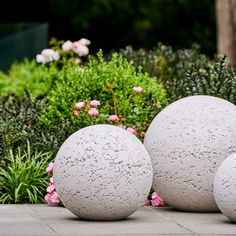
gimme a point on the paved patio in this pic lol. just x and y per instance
(42, 220)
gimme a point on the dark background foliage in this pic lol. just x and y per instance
(112, 24)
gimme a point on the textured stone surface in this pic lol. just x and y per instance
(187, 142)
(102, 172)
(225, 187)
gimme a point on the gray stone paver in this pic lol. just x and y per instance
(42, 220)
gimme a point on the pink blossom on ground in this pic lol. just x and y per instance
(147, 202)
(142, 134)
(93, 112)
(137, 89)
(113, 118)
(79, 105)
(50, 188)
(50, 167)
(75, 113)
(95, 103)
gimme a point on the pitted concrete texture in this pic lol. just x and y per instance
(225, 187)
(102, 172)
(42, 220)
(187, 141)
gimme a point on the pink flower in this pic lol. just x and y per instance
(132, 130)
(79, 105)
(50, 188)
(67, 46)
(75, 113)
(142, 134)
(55, 198)
(94, 103)
(51, 180)
(52, 198)
(47, 197)
(93, 112)
(154, 195)
(157, 201)
(50, 167)
(80, 49)
(113, 118)
(137, 89)
(147, 202)
(84, 41)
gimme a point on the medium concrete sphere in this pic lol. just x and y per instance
(187, 141)
(102, 172)
(225, 187)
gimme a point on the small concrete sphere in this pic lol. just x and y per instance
(102, 172)
(187, 141)
(225, 187)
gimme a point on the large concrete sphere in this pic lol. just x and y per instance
(187, 141)
(225, 187)
(102, 172)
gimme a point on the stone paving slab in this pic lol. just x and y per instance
(42, 220)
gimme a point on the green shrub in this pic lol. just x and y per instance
(19, 123)
(217, 80)
(36, 78)
(23, 177)
(186, 72)
(112, 84)
(169, 66)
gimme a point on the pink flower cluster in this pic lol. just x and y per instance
(113, 118)
(93, 111)
(47, 55)
(79, 47)
(155, 201)
(51, 197)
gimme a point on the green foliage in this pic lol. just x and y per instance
(186, 72)
(219, 80)
(36, 78)
(19, 123)
(112, 84)
(23, 177)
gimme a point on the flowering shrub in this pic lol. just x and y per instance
(38, 76)
(86, 110)
(123, 95)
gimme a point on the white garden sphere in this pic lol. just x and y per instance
(187, 141)
(225, 187)
(102, 172)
